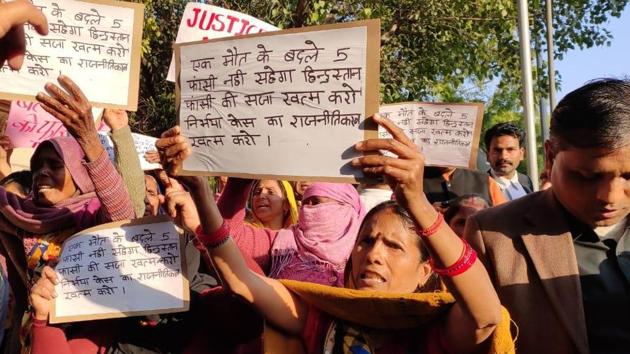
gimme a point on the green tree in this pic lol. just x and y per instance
(430, 49)
(156, 107)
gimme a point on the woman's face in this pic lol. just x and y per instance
(268, 202)
(153, 197)
(470, 207)
(458, 222)
(301, 187)
(387, 256)
(52, 182)
(316, 199)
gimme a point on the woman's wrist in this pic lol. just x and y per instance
(39, 316)
(91, 146)
(423, 212)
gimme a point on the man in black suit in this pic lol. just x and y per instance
(505, 151)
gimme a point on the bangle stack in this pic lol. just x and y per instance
(216, 238)
(434, 228)
(465, 261)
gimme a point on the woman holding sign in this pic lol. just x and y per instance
(398, 250)
(75, 186)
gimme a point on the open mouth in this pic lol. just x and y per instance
(371, 279)
(43, 187)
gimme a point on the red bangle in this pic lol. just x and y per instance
(38, 323)
(431, 230)
(467, 259)
(215, 239)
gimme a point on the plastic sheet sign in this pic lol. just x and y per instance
(96, 43)
(121, 269)
(28, 124)
(446, 133)
(203, 22)
(285, 104)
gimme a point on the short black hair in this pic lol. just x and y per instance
(596, 115)
(23, 178)
(501, 129)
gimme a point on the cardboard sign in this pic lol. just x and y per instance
(28, 124)
(95, 43)
(446, 133)
(143, 144)
(282, 105)
(121, 269)
(204, 22)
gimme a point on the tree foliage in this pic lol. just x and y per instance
(430, 49)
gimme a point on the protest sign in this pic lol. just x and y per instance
(446, 133)
(96, 43)
(28, 124)
(283, 105)
(143, 144)
(203, 22)
(120, 269)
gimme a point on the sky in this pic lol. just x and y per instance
(579, 66)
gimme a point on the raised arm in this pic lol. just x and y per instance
(6, 149)
(127, 160)
(477, 311)
(73, 109)
(202, 216)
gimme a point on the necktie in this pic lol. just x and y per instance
(514, 192)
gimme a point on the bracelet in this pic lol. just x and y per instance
(431, 230)
(215, 239)
(467, 259)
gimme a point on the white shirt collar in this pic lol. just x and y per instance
(505, 182)
(614, 231)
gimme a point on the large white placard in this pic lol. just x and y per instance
(447, 133)
(288, 103)
(121, 269)
(97, 45)
(203, 22)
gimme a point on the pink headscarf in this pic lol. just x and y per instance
(79, 210)
(325, 232)
(25, 214)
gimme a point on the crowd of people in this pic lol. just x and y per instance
(429, 260)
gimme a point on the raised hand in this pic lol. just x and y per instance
(173, 149)
(115, 118)
(6, 149)
(152, 156)
(403, 173)
(179, 203)
(73, 109)
(12, 43)
(42, 292)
